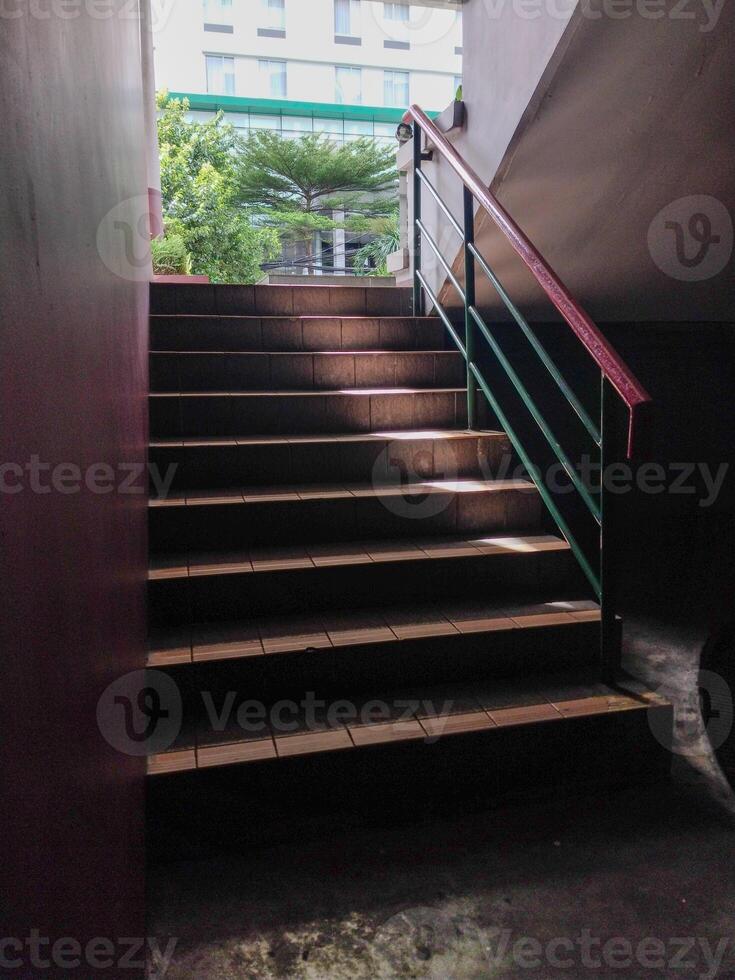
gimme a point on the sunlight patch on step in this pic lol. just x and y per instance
(419, 434)
(375, 391)
(511, 544)
(458, 486)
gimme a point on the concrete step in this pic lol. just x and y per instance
(380, 457)
(235, 300)
(504, 739)
(292, 333)
(293, 412)
(351, 629)
(251, 371)
(234, 583)
(278, 656)
(209, 519)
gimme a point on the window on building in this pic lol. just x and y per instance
(348, 85)
(395, 88)
(334, 128)
(273, 15)
(347, 18)
(220, 74)
(396, 18)
(358, 128)
(217, 11)
(273, 76)
(398, 12)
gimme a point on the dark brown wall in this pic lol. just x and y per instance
(73, 339)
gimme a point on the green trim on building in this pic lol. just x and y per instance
(286, 107)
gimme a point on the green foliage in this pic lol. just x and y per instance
(387, 240)
(170, 257)
(297, 185)
(200, 201)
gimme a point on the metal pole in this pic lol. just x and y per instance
(418, 294)
(469, 294)
(610, 631)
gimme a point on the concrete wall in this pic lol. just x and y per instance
(627, 124)
(73, 561)
(635, 127)
(505, 57)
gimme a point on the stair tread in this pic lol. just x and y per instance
(343, 628)
(334, 491)
(276, 440)
(294, 316)
(343, 553)
(419, 713)
(302, 392)
(305, 353)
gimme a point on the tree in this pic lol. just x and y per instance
(200, 202)
(312, 184)
(372, 259)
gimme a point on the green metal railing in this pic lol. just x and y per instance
(618, 384)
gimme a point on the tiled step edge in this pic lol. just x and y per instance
(417, 435)
(213, 642)
(607, 702)
(344, 553)
(337, 491)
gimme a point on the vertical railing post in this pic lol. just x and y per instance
(469, 301)
(418, 293)
(610, 443)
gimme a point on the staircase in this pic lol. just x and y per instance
(384, 598)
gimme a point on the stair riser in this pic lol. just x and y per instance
(274, 372)
(291, 334)
(405, 780)
(397, 665)
(220, 598)
(299, 463)
(235, 300)
(172, 417)
(210, 526)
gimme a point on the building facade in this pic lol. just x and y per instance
(345, 68)
(344, 53)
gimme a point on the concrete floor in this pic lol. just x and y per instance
(484, 895)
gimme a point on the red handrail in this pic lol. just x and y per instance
(610, 363)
